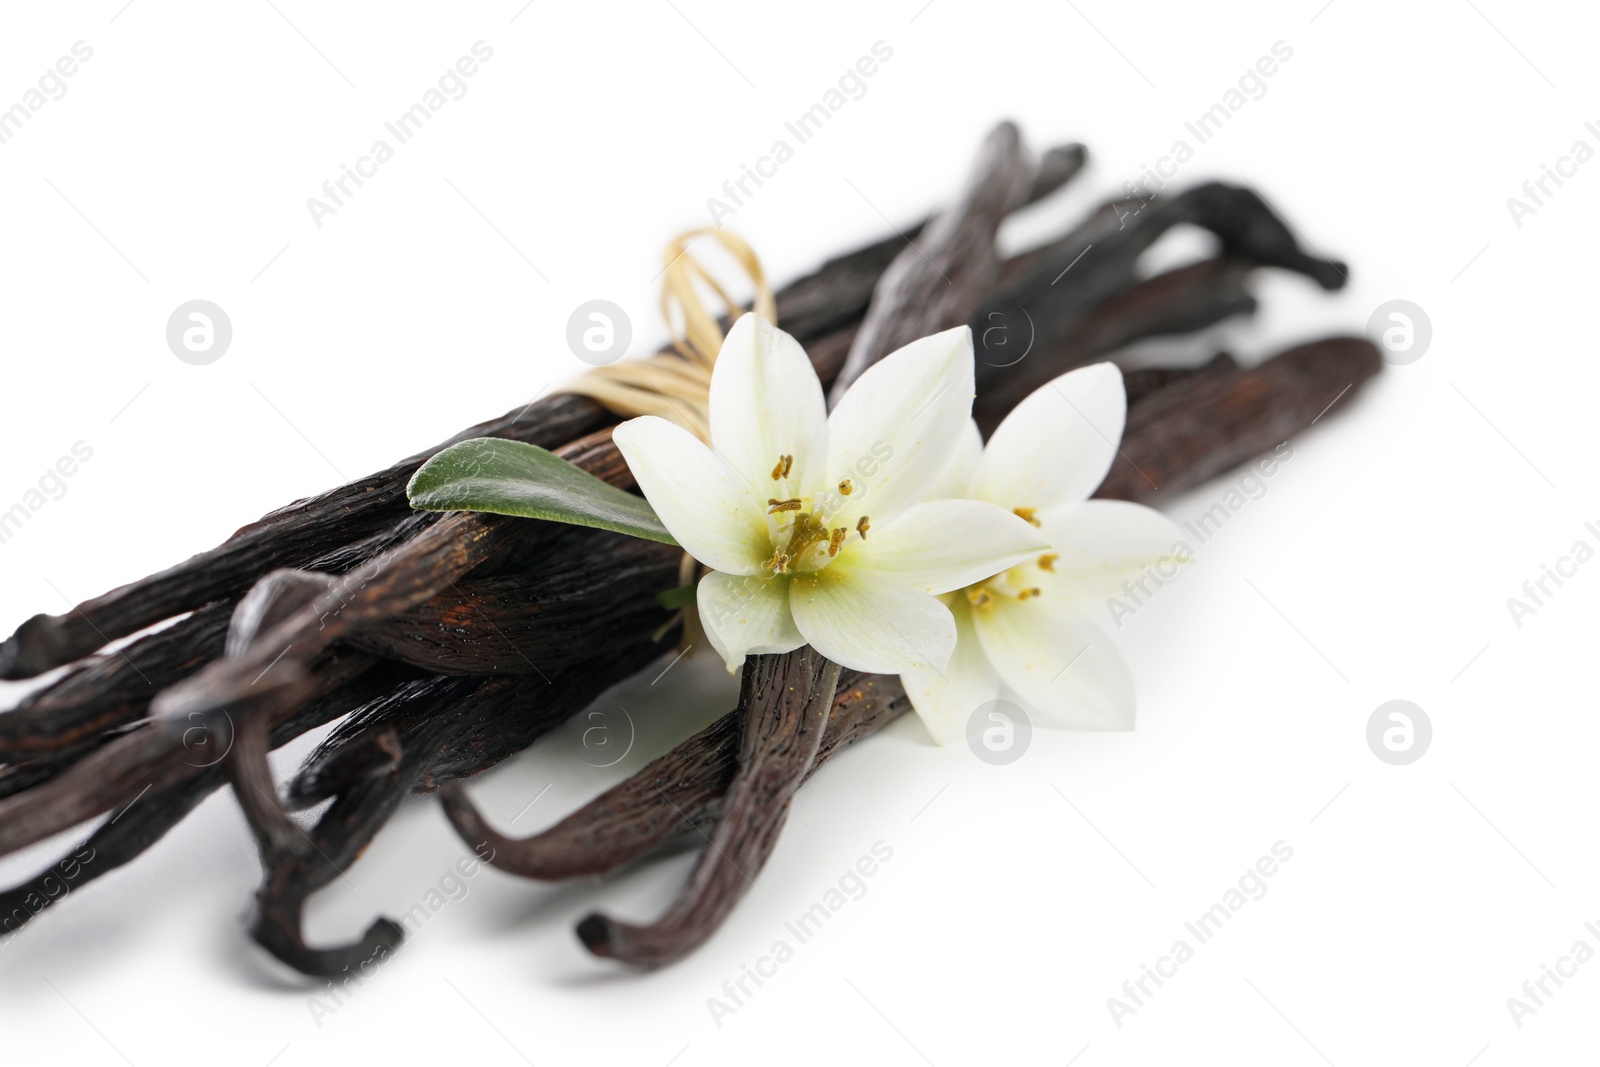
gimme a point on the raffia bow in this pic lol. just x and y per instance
(676, 384)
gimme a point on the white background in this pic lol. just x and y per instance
(1376, 566)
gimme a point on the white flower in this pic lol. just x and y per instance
(817, 527)
(1028, 635)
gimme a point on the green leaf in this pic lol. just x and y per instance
(673, 599)
(511, 478)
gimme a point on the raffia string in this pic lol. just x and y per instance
(676, 384)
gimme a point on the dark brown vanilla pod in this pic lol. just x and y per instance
(1101, 259)
(934, 284)
(154, 756)
(1180, 301)
(390, 584)
(1145, 382)
(436, 722)
(786, 700)
(112, 689)
(1205, 425)
(532, 621)
(674, 801)
(137, 821)
(293, 536)
(291, 874)
(394, 582)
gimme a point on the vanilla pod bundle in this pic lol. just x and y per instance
(440, 645)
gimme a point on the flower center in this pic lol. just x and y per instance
(802, 537)
(989, 591)
(1012, 584)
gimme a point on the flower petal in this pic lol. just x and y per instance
(766, 402)
(963, 465)
(869, 622)
(707, 505)
(1061, 665)
(1057, 445)
(942, 545)
(746, 614)
(895, 429)
(944, 702)
(1101, 544)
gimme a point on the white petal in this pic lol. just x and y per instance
(895, 429)
(941, 545)
(1061, 665)
(944, 702)
(871, 623)
(963, 465)
(711, 510)
(1057, 445)
(746, 614)
(1101, 544)
(766, 402)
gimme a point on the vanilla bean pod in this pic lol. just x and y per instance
(391, 583)
(152, 757)
(1099, 260)
(1205, 425)
(954, 261)
(671, 803)
(436, 717)
(586, 588)
(786, 700)
(111, 689)
(836, 294)
(16, 777)
(290, 537)
(1179, 301)
(125, 836)
(292, 874)
(1145, 382)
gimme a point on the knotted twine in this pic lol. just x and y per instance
(676, 384)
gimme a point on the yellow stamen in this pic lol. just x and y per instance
(785, 462)
(779, 563)
(1030, 592)
(846, 487)
(1047, 562)
(775, 506)
(836, 541)
(862, 527)
(1026, 514)
(978, 597)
